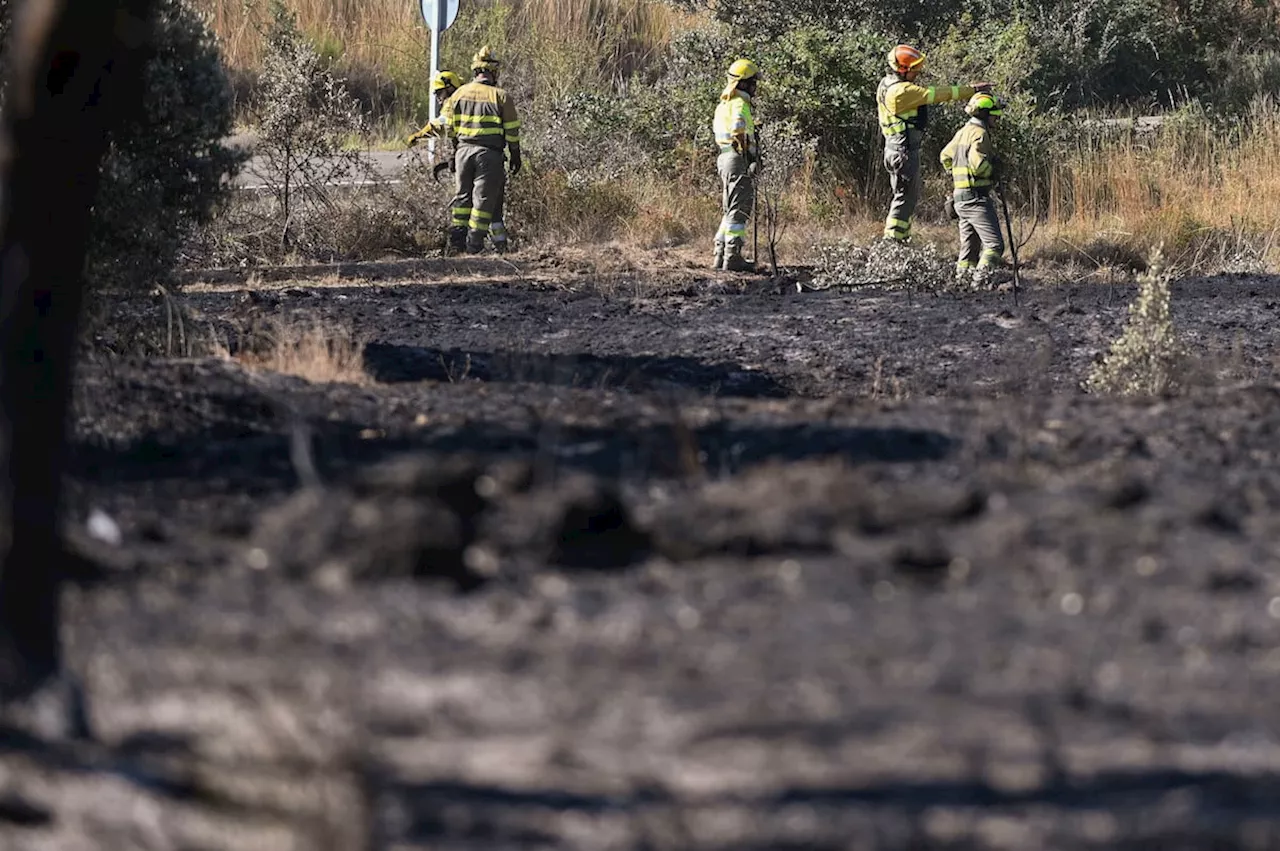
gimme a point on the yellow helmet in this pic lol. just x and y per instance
(484, 60)
(445, 80)
(743, 69)
(984, 102)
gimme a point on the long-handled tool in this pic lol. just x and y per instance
(755, 226)
(1013, 246)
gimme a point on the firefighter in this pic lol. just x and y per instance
(975, 169)
(738, 162)
(904, 114)
(483, 120)
(443, 85)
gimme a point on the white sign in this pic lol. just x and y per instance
(430, 8)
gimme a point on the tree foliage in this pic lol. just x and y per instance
(163, 176)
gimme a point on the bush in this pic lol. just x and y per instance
(6, 17)
(163, 177)
(304, 115)
(1145, 359)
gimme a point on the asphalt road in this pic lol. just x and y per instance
(383, 167)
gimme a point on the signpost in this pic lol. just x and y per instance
(439, 15)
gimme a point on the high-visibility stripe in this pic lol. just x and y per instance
(481, 214)
(989, 258)
(896, 228)
(460, 117)
(477, 224)
(473, 132)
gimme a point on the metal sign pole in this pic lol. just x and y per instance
(438, 15)
(436, 29)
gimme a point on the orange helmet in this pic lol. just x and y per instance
(905, 58)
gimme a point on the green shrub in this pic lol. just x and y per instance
(6, 17)
(163, 178)
(1146, 358)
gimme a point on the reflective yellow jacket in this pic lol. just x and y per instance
(904, 106)
(970, 157)
(483, 114)
(735, 126)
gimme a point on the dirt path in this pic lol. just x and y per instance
(634, 560)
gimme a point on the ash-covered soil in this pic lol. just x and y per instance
(638, 559)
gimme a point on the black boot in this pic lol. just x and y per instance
(457, 240)
(733, 262)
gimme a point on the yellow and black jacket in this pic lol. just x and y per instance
(971, 159)
(903, 106)
(482, 114)
(735, 126)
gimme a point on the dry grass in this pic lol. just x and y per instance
(366, 31)
(623, 35)
(1208, 191)
(321, 354)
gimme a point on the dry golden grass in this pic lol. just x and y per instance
(321, 354)
(1208, 191)
(367, 31)
(621, 35)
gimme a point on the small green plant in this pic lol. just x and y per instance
(786, 154)
(1146, 359)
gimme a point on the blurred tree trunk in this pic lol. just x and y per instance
(75, 69)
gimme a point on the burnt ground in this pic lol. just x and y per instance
(634, 559)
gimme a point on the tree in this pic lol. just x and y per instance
(304, 114)
(76, 71)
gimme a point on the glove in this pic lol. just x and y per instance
(982, 87)
(516, 162)
(412, 140)
(950, 206)
(755, 167)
